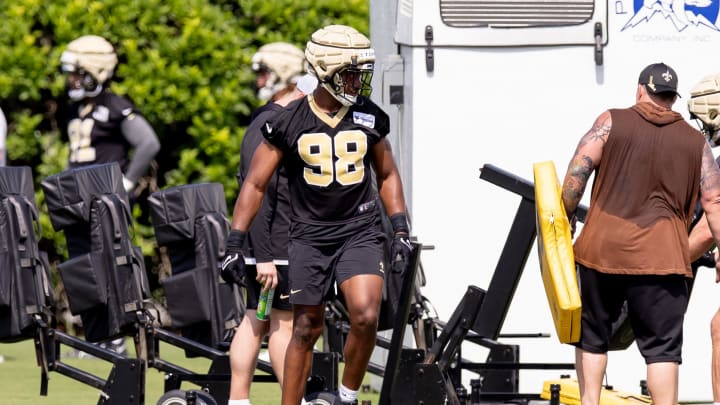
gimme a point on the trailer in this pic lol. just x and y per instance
(475, 82)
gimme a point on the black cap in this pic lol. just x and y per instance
(659, 78)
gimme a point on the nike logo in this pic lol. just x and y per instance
(229, 260)
(295, 291)
(268, 128)
(284, 296)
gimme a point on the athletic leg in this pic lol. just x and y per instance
(602, 302)
(280, 334)
(280, 323)
(662, 379)
(244, 351)
(590, 371)
(363, 294)
(307, 327)
(311, 280)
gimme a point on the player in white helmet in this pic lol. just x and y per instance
(103, 126)
(332, 144)
(278, 66)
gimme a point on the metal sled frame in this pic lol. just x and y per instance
(124, 385)
(435, 376)
(337, 327)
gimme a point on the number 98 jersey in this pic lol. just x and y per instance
(328, 159)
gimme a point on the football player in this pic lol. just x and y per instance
(103, 126)
(704, 105)
(338, 163)
(278, 66)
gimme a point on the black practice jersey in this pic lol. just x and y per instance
(94, 130)
(329, 165)
(271, 105)
(269, 232)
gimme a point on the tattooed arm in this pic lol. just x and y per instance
(700, 239)
(587, 157)
(710, 193)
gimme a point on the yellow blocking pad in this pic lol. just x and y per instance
(557, 261)
(570, 394)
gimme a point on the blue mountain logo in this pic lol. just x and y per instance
(681, 13)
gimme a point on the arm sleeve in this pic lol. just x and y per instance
(145, 144)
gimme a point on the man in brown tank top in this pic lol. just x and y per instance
(650, 167)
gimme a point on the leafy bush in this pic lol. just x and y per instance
(185, 64)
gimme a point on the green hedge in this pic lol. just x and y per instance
(185, 64)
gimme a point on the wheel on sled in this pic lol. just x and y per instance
(180, 397)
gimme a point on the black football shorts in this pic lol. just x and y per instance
(656, 310)
(315, 269)
(281, 300)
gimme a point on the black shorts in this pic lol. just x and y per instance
(282, 291)
(656, 310)
(315, 269)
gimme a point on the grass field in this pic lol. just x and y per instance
(20, 379)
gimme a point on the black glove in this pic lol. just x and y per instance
(401, 247)
(232, 269)
(400, 253)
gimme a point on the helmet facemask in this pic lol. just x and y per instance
(89, 62)
(272, 83)
(342, 60)
(350, 82)
(79, 83)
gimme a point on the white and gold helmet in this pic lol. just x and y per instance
(704, 105)
(285, 64)
(336, 49)
(92, 57)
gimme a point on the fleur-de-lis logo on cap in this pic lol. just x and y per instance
(667, 75)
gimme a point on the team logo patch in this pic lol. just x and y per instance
(366, 120)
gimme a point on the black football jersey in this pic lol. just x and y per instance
(269, 232)
(328, 159)
(94, 130)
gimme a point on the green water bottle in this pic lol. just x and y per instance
(265, 304)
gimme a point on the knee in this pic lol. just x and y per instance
(365, 320)
(306, 331)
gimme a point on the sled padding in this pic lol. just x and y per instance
(557, 261)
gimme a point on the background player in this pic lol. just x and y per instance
(279, 66)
